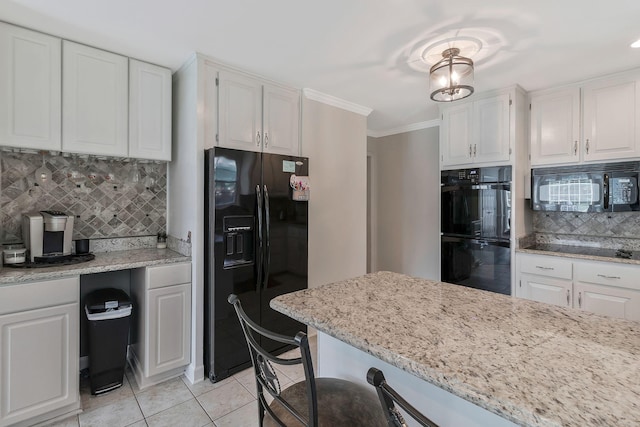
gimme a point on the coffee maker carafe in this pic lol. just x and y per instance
(47, 235)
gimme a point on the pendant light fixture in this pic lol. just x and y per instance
(451, 78)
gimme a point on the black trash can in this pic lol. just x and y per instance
(108, 312)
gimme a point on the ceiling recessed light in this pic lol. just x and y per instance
(635, 43)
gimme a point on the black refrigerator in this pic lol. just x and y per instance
(255, 247)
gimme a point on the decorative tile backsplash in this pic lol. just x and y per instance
(109, 198)
(610, 224)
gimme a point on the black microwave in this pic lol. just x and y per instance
(611, 187)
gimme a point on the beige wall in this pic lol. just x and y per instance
(335, 140)
(406, 190)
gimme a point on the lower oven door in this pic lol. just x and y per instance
(477, 263)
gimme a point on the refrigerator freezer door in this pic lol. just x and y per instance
(232, 256)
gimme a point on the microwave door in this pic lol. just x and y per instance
(579, 192)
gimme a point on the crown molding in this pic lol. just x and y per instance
(336, 102)
(403, 129)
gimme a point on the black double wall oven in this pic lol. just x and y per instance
(476, 228)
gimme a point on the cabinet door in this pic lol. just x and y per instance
(94, 101)
(39, 369)
(281, 120)
(455, 135)
(169, 323)
(545, 289)
(491, 129)
(210, 101)
(607, 300)
(240, 112)
(610, 119)
(555, 127)
(30, 89)
(149, 111)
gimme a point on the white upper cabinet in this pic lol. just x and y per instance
(593, 122)
(94, 101)
(611, 117)
(281, 116)
(149, 111)
(476, 132)
(555, 127)
(240, 112)
(30, 68)
(491, 129)
(455, 135)
(258, 116)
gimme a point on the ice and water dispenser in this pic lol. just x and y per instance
(238, 240)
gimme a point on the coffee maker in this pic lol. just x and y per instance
(47, 235)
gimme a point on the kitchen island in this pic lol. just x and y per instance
(529, 363)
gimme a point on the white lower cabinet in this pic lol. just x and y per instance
(39, 333)
(606, 288)
(544, 279)
(161, 330)
(545, 289)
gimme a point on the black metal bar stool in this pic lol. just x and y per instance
(388, 396)
(314, 402)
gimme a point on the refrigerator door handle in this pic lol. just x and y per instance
(268, 243)
(259, 251)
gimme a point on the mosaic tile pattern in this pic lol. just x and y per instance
(611, 224)
(109, 199)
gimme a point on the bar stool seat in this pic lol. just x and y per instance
(340, 403)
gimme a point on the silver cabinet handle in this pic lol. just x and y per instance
(469, 150)
(568, 297)
(587, 146)
(474, 150)
(258, 139)
(544, 268)
(266, 139)
(604, 276)
(575, 148)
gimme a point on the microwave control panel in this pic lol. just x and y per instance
(624, 191)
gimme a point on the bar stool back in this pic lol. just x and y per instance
(313, 402)
(388, 396)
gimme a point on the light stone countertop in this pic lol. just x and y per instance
(104, 261)
(603, 255)
(532, 363)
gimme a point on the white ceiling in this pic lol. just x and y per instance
(363, 51)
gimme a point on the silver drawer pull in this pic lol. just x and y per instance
(544, 268)
(608, 277)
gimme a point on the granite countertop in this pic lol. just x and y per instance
(534, 364)
(103, 262)
(580, 252)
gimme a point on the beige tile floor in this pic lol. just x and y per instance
(229, 403)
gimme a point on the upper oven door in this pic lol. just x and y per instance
(476, 210)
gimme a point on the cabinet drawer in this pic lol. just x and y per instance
(545, 266)
(611, 274)
(167, 275)
(32, 295)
